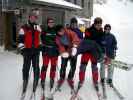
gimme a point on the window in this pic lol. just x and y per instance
(82, 3)
(89, 5)
(68, 0)
(75, 1)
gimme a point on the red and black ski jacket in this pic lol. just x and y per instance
(29, 36)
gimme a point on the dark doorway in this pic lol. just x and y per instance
(9, 30)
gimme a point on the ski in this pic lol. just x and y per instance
(43, 94)
(51, 95)
(116, 91)
(56, 89)
(104, 91)
(23, 96)
(122, 65)
(25, 83)
(33, 96)
(99, 96)
(75, 93)
(121, 97)
(43, 97)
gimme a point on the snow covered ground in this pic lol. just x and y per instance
(120, 17)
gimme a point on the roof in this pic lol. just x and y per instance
(59, 3)
(82, 20)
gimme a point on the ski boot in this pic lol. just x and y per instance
(25, 83)
(110, 83)
(103, 88)
(51, 84)
(102, 81)
(80, 84)
(43, 90)
(42, 94)
(35, 84)
(71, 85)
(97, 91)
(59, 84)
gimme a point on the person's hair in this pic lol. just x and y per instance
(58, 28)
(48, 19)
(32, 14)
(107, 26)
(98, 20)
(73, 20)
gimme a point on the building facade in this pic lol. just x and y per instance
(86, 12)
(16, 15)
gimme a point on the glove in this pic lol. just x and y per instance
(65, 55)
(21, 48)
(107, 60)
(74, 51)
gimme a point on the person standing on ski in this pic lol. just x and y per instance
(29, 42)
(50, 52)
(110, 46)
(74, 27)
(94, 33)
(67, 42)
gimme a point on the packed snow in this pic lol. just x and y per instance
(115, 13)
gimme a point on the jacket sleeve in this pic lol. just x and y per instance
(39, 29)
(114, 43)
(43, 37)
(74, 38)
(21, 38)
(61, 48)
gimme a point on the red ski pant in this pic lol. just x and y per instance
(46, 60)
(84, 61)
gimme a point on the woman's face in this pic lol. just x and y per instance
(61, 32)
(51, 23)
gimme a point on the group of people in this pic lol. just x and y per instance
(97, 45)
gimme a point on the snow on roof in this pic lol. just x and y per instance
(61, 3)
(82, 20)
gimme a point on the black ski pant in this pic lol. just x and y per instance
(64, 61)
(29, 59)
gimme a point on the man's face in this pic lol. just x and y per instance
(98, 26)
(51, 23)
(107, 30)
(33, 19)
(74, 25)
(61, 32)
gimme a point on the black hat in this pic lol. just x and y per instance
(74, 20)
